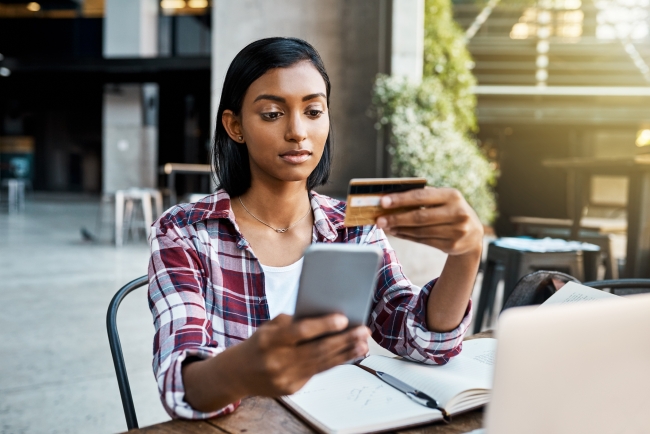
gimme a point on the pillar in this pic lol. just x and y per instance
(350, 35)
(130, 111)
(407, 39)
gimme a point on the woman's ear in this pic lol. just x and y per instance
(232, 126)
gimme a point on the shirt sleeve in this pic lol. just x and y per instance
(183, 330)
(398, 319)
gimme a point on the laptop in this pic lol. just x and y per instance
(573, 368)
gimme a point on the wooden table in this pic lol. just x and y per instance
(637, 169)
(171, 169)
(266, 415)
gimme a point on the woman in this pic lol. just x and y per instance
(224, 271)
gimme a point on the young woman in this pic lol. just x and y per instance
(223, 275)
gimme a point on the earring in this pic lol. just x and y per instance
(240, 138)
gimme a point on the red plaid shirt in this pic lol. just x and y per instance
(206, 292)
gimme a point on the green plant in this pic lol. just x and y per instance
(425, 141)
(431, 122)
(446, 58)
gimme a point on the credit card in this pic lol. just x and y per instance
(364, 198)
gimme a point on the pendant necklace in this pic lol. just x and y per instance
(278, 230)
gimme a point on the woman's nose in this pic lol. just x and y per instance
(296, 129)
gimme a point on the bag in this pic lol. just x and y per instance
(535, 288)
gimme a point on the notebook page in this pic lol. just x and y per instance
(573, 292)
(346, 398)
(472, 369)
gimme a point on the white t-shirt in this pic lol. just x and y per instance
(281, 286)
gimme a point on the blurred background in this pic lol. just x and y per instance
(537, 110)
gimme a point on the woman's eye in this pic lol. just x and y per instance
(314, 113)
(271, 115)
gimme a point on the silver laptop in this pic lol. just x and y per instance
(578, 368)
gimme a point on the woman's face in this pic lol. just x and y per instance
(283, 122)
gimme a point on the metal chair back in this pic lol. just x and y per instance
(535, 288)
(116, 349)
(620, 284)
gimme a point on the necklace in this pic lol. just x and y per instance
(280, 231)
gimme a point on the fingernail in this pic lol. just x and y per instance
(340, 321)
(382, 222)
(386, 201)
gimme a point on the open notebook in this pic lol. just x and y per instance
(347, 399)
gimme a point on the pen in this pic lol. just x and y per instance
(416, 395)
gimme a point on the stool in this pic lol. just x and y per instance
(124, 208)
(15, 194)
(511, 259)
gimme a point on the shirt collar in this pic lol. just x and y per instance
(328, 216)
(328, 213)
(214, 206)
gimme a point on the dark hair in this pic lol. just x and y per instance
(229, 158)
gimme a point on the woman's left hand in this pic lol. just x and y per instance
(444, 221)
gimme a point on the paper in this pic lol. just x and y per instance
(347, 397)
(573, 292)
(471, 369)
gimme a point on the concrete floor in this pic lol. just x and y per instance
(56, 374)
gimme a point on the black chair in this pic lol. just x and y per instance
(536, 288)
(615, 284)
(513, 263)
(116, 349)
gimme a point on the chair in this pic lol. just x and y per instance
(513, 258)
(116, 349)
(536, 288)
(613, 285)
(124, 208)
(15, 194)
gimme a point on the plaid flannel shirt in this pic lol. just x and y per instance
(206, 292)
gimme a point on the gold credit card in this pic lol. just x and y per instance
(364, 198)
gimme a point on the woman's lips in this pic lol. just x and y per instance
(296, 157)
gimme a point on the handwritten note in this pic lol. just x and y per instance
(487, 358)
(574, 292)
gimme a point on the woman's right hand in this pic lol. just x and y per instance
(282, 355)
(278, 359)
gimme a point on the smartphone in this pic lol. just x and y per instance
(338, 278)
